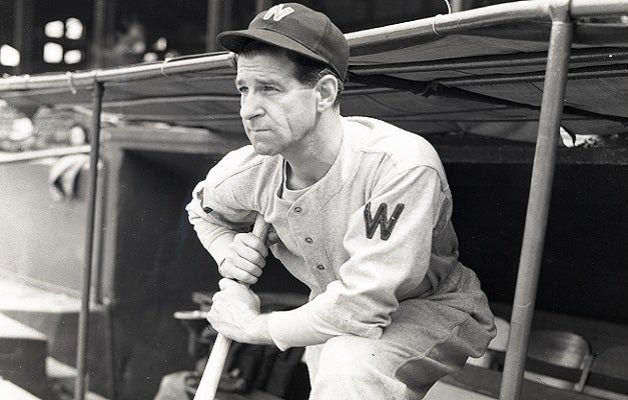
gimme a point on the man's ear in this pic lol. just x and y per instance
(327, 89)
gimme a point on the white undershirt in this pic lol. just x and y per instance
(292, 195)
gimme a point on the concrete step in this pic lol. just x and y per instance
(55, 316)
(445, 391)
(26, 372)
(62, 376)
(23, 355)
(10, 391)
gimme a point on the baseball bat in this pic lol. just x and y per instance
(208, 384)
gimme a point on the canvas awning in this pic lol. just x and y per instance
(482, 78)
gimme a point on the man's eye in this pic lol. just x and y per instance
(243, 89)
(269, 89)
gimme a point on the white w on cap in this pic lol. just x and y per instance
(278, 12)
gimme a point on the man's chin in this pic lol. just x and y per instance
(264, 150)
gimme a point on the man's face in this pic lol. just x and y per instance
(277, 110)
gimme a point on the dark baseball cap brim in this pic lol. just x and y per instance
(235, 41)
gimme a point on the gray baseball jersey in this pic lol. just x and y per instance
(374, 231)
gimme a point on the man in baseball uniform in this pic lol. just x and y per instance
(361, 213)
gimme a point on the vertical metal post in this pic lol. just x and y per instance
(83, 329)
(213, 25)
(23, 35)
(99, 34)
(539, 200)
(226, 17)
(261, 5)
(457, 5)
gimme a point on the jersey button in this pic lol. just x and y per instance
(309, 240)
(297, 209)
(320, 267)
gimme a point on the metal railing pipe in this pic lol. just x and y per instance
(592, 8)
(83, 328)
(498, 61)
(538, 202)
(26, 156)
(412, 32)
(82, 80)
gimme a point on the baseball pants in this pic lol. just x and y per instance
(428, 339)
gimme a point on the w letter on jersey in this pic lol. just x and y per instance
(278, 12)
(386, 225)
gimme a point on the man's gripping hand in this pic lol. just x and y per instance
(245, 259)
(235, 313)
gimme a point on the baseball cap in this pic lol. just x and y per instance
(295, 27)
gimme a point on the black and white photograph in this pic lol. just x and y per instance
(314, 200)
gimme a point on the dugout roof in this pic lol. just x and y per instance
(478, 73)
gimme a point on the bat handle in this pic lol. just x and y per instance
(261, 228)
(208, 384)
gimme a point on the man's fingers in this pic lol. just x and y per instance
(249, 275)
(248, 266)
(230, 285)
(251, 241)
(216, 317)
(245, 277)
(272, 238)
(245, 259)
(226, 284)
(250, 255)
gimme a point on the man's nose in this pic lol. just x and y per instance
(251, 106)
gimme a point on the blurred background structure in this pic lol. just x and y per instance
(42, 36)
(38, 36)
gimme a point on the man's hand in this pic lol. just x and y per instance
(245, 259)
(235, 313)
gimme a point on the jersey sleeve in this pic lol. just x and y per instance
(389, 242)
(215, 210)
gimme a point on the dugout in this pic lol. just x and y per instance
(479, 72)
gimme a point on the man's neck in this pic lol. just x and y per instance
(317, 156)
